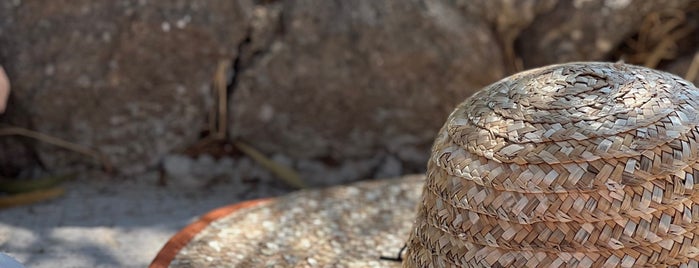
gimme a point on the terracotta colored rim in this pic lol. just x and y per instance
(182, 238)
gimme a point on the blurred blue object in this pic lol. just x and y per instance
(9, 262)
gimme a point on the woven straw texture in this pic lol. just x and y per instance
(347, 226)
(574, 165)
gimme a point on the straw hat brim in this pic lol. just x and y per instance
(344, 226)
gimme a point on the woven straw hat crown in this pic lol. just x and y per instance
(573, 165)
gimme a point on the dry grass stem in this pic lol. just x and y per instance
(18, 131)
(4, 90)
(220, 87)
(657, 38)
(218, 114)
(30, 197)
(23, 186)
(288, 175)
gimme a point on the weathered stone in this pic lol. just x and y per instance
(680, 66)
(585, 30)
(334, 83)
(348, 79)
(508, 18)
(391, 167)
(130, 78)
(17, 158)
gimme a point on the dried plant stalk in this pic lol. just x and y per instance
(18, 131)
(222, 96)
(4, 90)
(657, 38)
(30, 197)
(288, 175)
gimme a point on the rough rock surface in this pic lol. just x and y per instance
(130, 78)
(16, 155)
(508, 18)
(349, 79)
(585, 29)
(680, 66)
(329, 85)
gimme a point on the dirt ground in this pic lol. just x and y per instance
(99, 223)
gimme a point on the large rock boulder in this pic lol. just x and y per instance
(586, 30)
(356, 86)
(350, 79)
(130, 78)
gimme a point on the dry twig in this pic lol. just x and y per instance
(30, 197)
(218, 114)
(218, 118)
(18, 131)
(657, 38)
(4, 90)
(220, 87)
(288, 175)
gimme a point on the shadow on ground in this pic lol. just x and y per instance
(107, 223)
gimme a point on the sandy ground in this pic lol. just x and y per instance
(113, 222)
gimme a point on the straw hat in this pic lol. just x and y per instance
(573, 165)
(347, 226)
